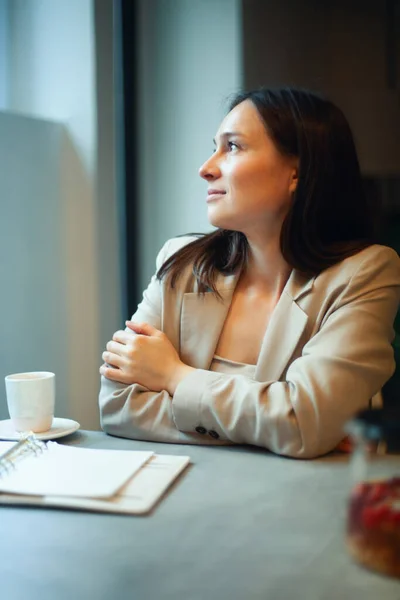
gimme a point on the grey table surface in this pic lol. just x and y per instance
(240, 524)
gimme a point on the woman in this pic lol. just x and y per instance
(276, 328)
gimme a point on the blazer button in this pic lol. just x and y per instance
(214, 434)
(201, 429)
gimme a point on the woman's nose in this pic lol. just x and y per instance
(210, 170)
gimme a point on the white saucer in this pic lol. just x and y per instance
(60, 428)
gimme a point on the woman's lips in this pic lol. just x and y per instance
(214, 194)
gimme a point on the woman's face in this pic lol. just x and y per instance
(250, 183)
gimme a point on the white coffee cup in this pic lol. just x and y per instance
(30, 400)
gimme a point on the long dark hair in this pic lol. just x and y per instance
(329, 218)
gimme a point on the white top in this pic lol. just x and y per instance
(231, 367)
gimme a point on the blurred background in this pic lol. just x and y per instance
(107, 110)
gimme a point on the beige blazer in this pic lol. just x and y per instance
(326, 352)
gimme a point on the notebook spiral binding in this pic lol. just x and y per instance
(28, 444)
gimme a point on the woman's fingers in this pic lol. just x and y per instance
(112, 359)
(116, 348)
(122, 337)
(136, 353)
(142, 328)
(125, 336)
(114, 374)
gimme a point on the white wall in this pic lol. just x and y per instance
(109, 195)
(3, 54)
(52, 76)
(190, 61)
(52, 66)
(34, 295)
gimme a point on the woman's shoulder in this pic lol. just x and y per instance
(375, 262)
(374, 257)
(377, 250)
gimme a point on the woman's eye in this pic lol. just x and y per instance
(232, 146)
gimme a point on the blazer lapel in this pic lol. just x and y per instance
(284, 330)
(202, 319)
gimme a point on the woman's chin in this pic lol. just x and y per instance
(219, 223)
(218, 220)
(224, 224)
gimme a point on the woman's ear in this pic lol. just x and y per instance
(294, 178)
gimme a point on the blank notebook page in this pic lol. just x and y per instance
(68, 471)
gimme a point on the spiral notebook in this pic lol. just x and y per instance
(52, 475)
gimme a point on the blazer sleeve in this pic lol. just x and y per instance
(133, 411)
(341, 368)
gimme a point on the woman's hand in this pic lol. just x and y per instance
(147, 358)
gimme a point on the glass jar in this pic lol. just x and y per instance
(373, 517)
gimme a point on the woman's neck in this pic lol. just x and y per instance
(266, 270)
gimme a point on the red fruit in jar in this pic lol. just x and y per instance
(394, 517)
(378, 492)
(395, 486)
(375, 515)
